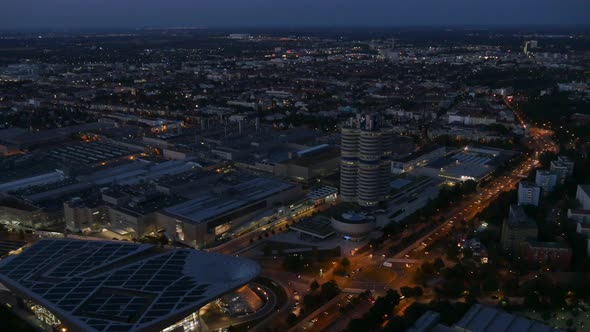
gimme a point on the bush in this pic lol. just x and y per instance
(291, 319)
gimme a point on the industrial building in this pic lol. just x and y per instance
(310, 164)
(469, 163)
(212, 213)
(16, 140)
(416, 159)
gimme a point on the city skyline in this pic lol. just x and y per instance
(327, 166)
(69, 14)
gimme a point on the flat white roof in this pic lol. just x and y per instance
(209, 205)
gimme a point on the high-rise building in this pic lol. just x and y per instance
(365, 160)
(583, 196)
(516, 230)
(563, 167)
(528, 193)
(547, 180)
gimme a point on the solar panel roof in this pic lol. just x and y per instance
(118, 286)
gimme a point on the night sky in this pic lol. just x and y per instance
(18, 14)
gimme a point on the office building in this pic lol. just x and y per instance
(528, 193)
(516, 230)
(120, 286)
(563, 167)
(556, 255)
(547, 180)
(365, 160)
(583, 196)
(582, 213)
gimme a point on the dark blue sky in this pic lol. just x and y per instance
(17, 14)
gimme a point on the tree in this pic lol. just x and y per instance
(418, 291)
(314, 286)
(357, 325)
(407, 291)
(291, 319)
(468, 253)
(162, 239)
(438, 264)
(312, 301)
(452, 252)
(468, 187)
(329, 290)
(345, 262)
(293, 263)
(545, 159)
(490, 284)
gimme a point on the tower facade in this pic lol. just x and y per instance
(365, 160)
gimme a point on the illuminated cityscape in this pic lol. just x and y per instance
(223, 166)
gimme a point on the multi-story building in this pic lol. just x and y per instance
(365, 161)
(563, 167)
(547, 180)
(528, 193)
(310, 164)
(582, 213)
(418, 158)
(557, 255)
(211, 213)
(516, 230)
(82, 215)
(583, 196)
(583, 227)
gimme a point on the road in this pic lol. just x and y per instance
(538, 140)
(467, 209)
(246, 239)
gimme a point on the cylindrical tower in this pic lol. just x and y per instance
(349, 164)
(365, 161)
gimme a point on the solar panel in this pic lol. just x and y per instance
(119, 286)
